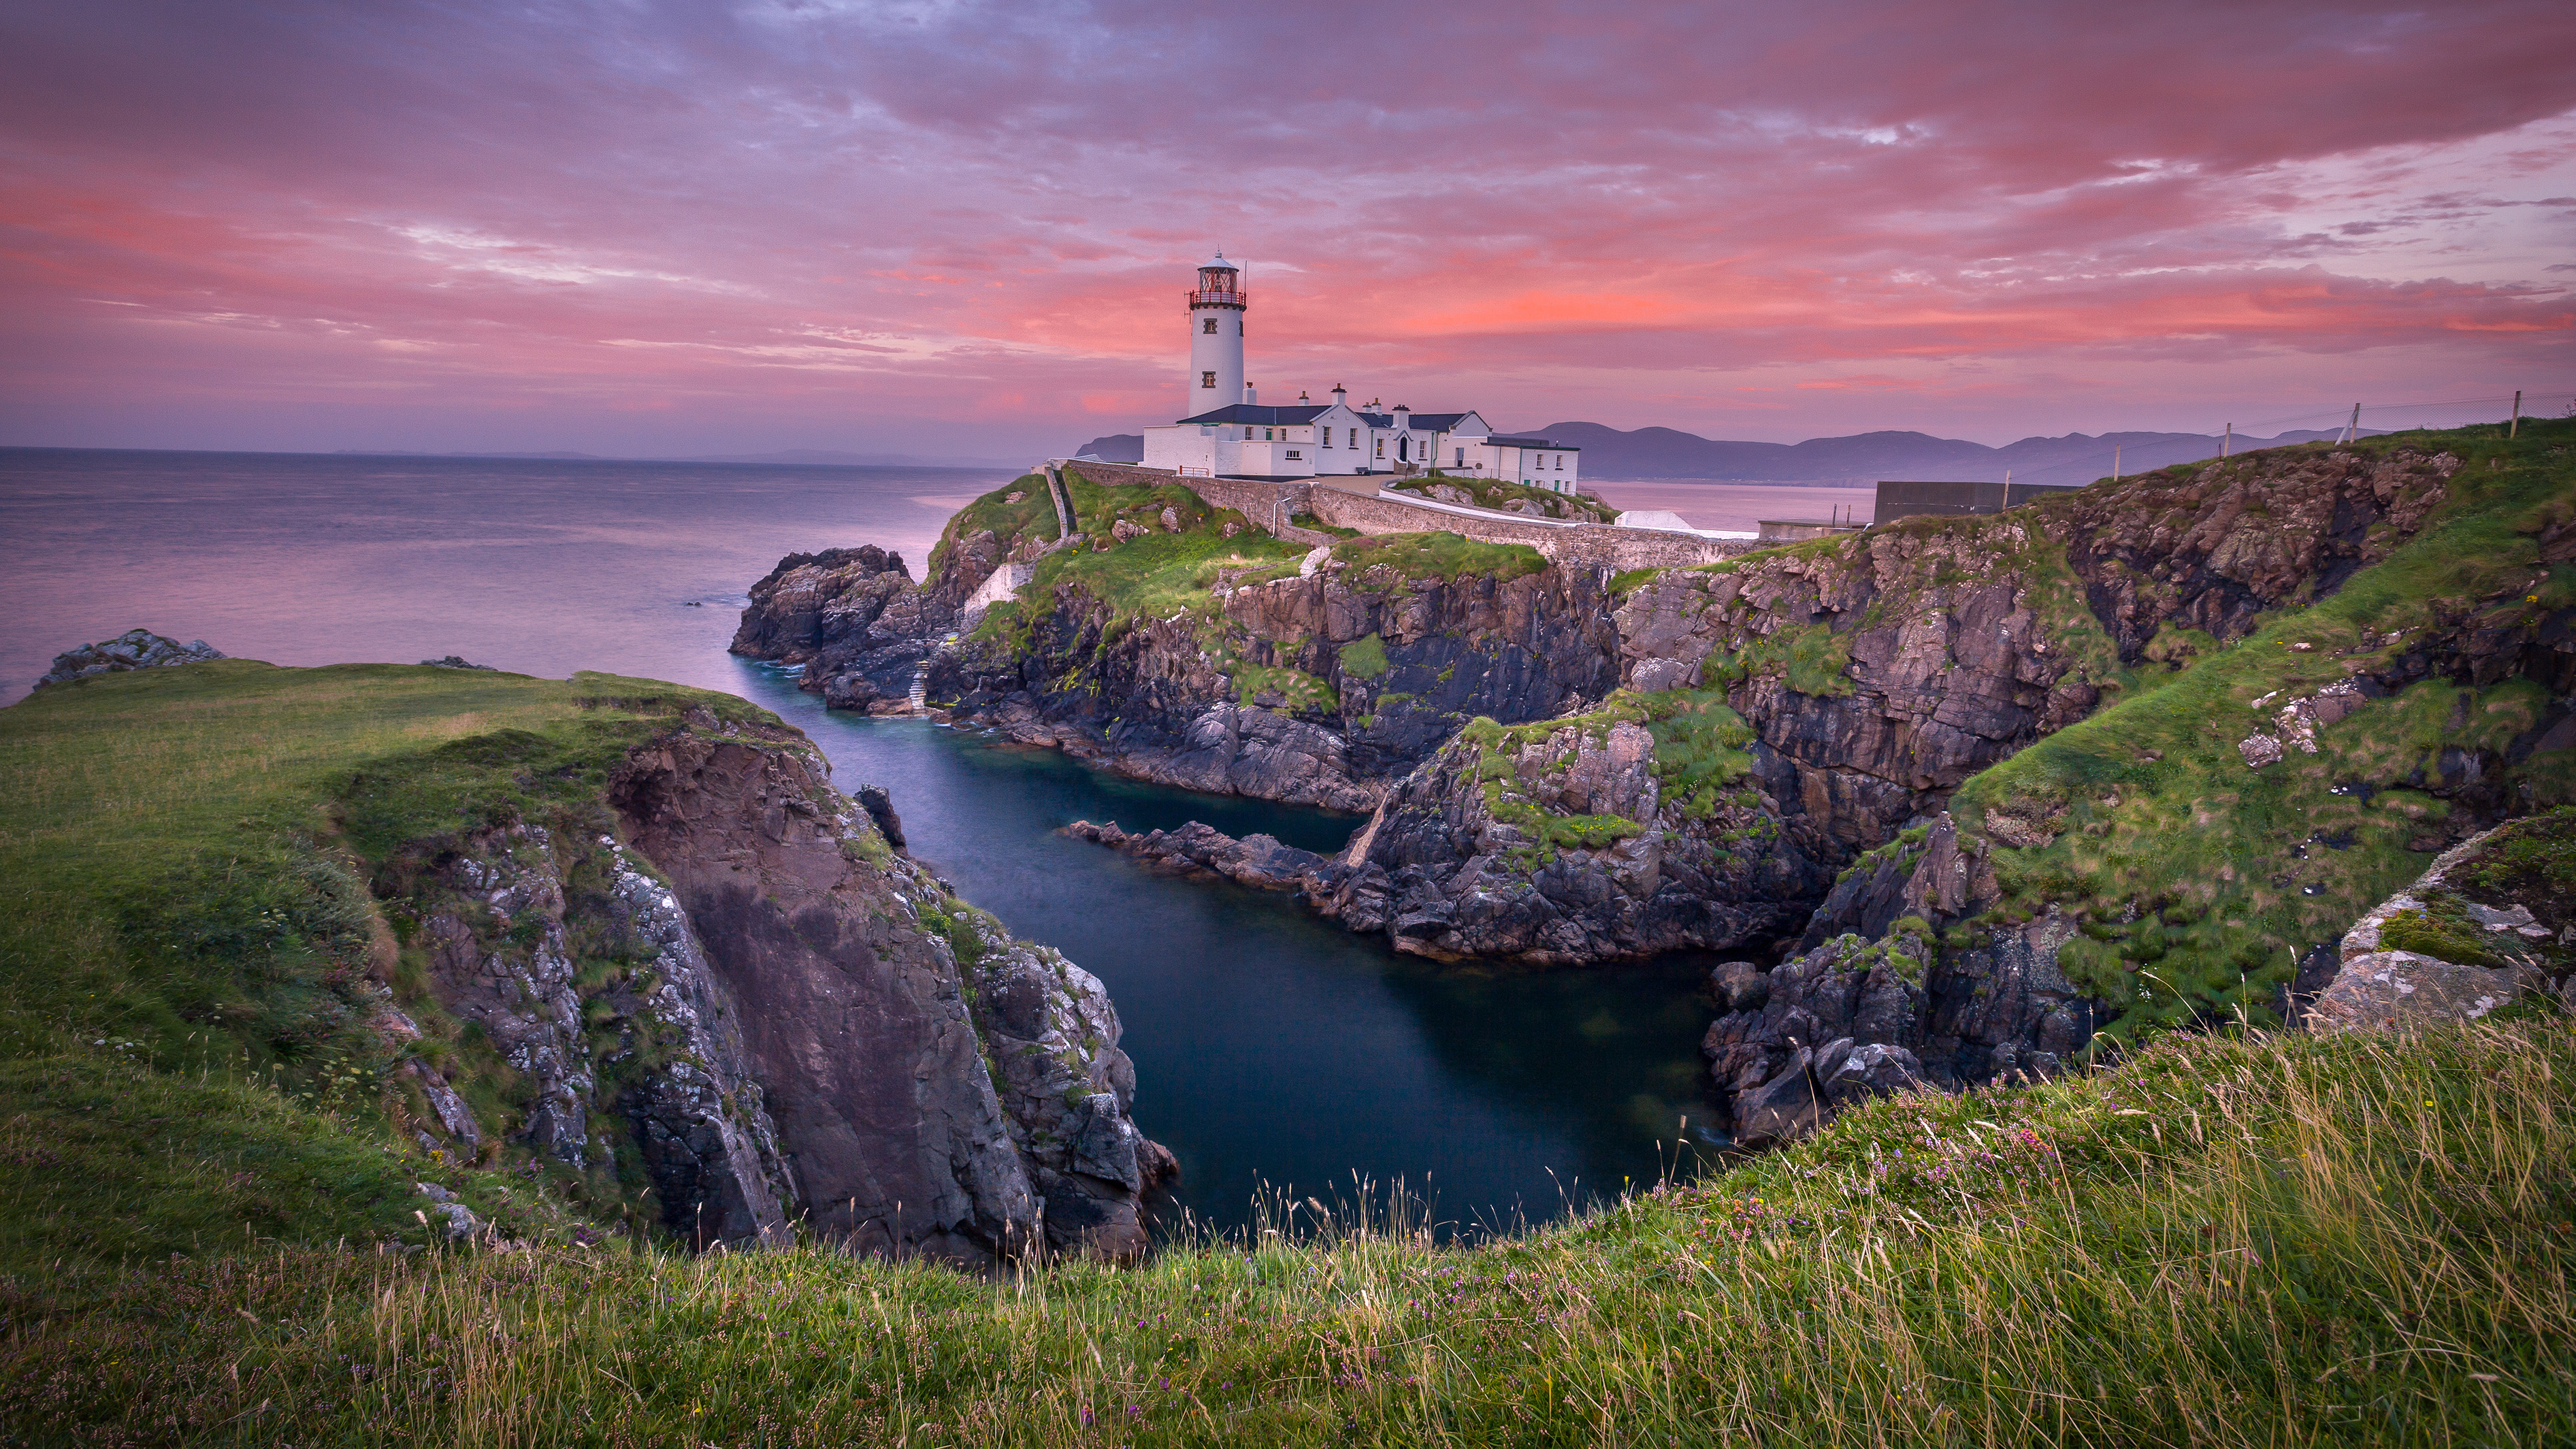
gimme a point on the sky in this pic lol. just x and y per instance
(959, 229)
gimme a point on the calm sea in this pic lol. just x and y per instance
(1270, 1048)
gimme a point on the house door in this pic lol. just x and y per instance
(1400, 445)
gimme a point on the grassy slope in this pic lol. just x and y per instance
(2227, 871)
(1167, 575)
(2261, 1241)
(189, 952)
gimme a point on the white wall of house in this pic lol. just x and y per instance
(1554, 468)
(1182, 447)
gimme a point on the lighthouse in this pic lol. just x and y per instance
(1216, 338)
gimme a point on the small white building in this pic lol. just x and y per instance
(1228, 433)
(1534, 461)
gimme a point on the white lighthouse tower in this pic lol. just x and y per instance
(1216, 339)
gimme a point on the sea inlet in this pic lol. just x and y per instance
(1273, 1051)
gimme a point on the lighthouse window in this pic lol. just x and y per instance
(1209, 327)
(1207, 379)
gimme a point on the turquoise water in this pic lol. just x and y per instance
(1271, 1048)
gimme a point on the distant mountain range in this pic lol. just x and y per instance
(1610, 455)
(1114, 448)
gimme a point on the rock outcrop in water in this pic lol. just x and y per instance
(133, 649)
(1318, 686)
(853, 620)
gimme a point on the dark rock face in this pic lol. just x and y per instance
(1445, 877)
(1052, 1039)
(843, 964)
(1871, 1016)
(1941, 646)
(496, 924)
(855, 621)
(1157, 702)
(2239, 536)
(133, 649)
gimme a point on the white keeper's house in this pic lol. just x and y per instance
(1229, 433)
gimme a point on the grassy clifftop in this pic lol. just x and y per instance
(2381, 719)
(189, 961)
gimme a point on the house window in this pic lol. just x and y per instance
(1207, 379)
(1294, 453)
(1326, 434)
(1381, 447)
(1355, 437)
(1209, 327)
(1462, 456)
(1265, 435)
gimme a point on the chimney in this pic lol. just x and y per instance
(1249, 396)
(1341, 397)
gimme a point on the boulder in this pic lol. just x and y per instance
(133, 649)
(2395, 963)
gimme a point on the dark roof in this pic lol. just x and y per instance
(1256, 413)
(1437, 422)
(1501, 441)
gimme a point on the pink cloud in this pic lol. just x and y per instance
(665, 228)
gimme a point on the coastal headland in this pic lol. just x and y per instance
(2144, 910)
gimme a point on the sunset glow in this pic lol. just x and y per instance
(658, 229)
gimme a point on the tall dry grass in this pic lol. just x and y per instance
(2279, 1240)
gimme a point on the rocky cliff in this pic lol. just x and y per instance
(1847, 750)
(718, 978)
(2334, 662)
(1172, 641)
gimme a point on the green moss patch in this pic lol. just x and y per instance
(1365, 657)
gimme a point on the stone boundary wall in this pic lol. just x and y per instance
(1583, 545)
(1259, 502)
(1580, 545)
